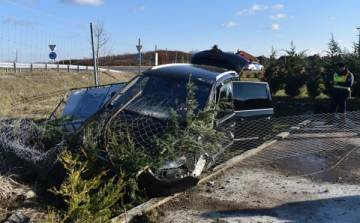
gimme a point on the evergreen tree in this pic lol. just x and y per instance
(272, 74)
(353, 62)
(332, 58)
(314, 77)
(88, 193)
(215, 48)
(295, 72)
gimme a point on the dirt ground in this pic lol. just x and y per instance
(313, 176)
(314, 187)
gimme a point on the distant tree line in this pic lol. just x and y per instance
(148, 59)
(294, 73)
(296, 70)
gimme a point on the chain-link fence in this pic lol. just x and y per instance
(33, 97)
(277, 137)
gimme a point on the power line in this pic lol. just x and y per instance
(45, 14)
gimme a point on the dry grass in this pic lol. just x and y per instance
(6, 196)
(12, 202)
(35, 95)
(5, 188)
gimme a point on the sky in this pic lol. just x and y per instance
(256, 27)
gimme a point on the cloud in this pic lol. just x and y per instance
(14, 21)
(83, 2)
(274, 26)
(278, 7)
(229, 24)
(141, 9)
(10, 21)
(259, 7)
(252, 11)
(278, 17)
(312, 51)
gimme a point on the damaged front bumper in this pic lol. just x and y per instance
(173, 177)
(168, 182)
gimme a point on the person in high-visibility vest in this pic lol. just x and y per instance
(342, 81)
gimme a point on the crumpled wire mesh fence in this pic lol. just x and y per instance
(20, 144)
(295, 136)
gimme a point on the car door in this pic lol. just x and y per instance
(225, 118)
(252, 101)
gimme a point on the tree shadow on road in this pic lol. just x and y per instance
(339, 209)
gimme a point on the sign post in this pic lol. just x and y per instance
(52, 55)
(94, 56)
(138, 47)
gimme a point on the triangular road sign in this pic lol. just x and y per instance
(138, 47)
(52, 47)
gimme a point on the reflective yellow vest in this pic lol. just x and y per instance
(341, 79)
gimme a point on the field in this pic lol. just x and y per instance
(35, 95)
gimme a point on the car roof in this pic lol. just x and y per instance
(184, 71)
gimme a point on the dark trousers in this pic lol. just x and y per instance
(339, 100)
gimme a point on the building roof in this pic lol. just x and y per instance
(247, 56)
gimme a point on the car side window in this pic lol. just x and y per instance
(225, 100)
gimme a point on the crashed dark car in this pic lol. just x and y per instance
(151, 97)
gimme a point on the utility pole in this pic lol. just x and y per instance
(156, 56)
(358, 46)
(94, 56)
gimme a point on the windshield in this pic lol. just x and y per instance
(155, 96)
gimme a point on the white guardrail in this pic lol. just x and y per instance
(17, 67)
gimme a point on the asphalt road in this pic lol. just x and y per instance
(129, 68)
